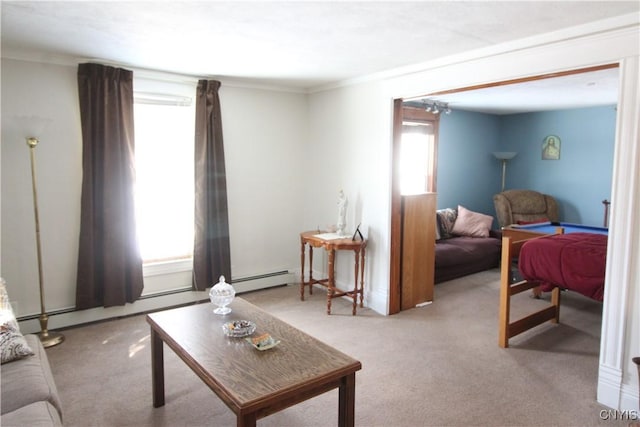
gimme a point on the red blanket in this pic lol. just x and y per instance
(574, 261)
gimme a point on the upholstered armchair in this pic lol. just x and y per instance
(524, 206)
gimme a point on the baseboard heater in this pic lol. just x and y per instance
(66, 317)
(261, 281)
(240, 284)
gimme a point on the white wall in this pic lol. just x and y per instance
(49, 93)
(265, 132)
(349, 149)
(357, 118)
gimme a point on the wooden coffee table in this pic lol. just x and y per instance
(252, 383)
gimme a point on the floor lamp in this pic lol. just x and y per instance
(48, 339)
(504, 156)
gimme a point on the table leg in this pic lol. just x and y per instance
(302, 244)
(347, 401)
(355, 282)
(157, 369)
(310, 270)
(247, 420)
(331, 281)
(361, 277)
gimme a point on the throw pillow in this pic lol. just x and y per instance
(472, 224)
(6, 312)
(13, 346)
(4, 296)
(445, 218)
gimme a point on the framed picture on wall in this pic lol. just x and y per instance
(551, 148)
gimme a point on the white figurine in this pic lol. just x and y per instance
(342, 213)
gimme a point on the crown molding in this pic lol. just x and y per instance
(162, 75)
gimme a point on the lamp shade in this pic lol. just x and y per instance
(504, 155)
(30, 126)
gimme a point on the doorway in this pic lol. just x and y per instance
(476, 97)
(415, 150)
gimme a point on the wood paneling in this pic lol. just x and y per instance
(418, 249)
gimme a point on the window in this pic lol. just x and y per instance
(416, 151)
(164, 193)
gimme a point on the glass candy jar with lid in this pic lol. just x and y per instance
(221, 295)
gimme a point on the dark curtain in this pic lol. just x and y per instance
(211, 250)
(109, 262)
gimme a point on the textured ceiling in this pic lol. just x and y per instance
(297, 44)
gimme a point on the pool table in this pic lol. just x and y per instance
(525, 231)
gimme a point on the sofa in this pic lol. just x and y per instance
(28, 394)
(465, 243)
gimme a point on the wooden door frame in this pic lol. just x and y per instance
(396, 211)
(399, 115)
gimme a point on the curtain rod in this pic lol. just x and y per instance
(193, 79)
(149, 72)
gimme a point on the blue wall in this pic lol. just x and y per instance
(581, 179)
(469, 175)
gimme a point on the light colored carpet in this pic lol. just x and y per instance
(439, 365)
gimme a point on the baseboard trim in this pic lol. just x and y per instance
(609, 386)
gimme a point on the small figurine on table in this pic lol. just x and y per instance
(342, 213)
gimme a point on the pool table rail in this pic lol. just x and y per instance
(523, 232)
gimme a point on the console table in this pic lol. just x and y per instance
(331, 246)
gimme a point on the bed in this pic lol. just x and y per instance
(551, 263)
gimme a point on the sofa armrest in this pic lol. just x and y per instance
(29, 380)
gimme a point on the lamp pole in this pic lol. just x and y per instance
(504, 172)
(48, 339)
(503, 156)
